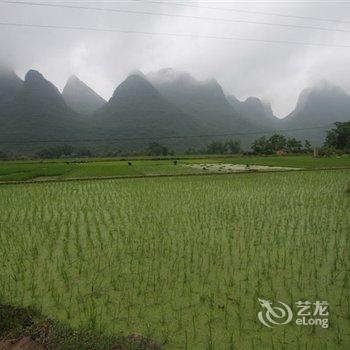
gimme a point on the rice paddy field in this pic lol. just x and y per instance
(183, 260)
(63, 169)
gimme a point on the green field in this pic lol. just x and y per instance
(182, 260)
(83, 168)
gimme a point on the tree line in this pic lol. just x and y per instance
(337, 141)
(338, 138)
(279, 143)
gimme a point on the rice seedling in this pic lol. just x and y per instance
(182, 260)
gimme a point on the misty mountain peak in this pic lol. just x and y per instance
(73, 82)
(326, 86)
(137, 104)
(233, 100)
(6, 71)
(320, 105)
(137, 72)
(80, 97)
(169, 76)
(253, 101)
(39, 91)
(73, 79)
(34, 76)
(134, 86)
(211, 84)
(263, 107)
(211, 81)
(202, 99)
(256, 111)
(136, 78)
(10, 84)
(319, 93)
(170, 81)
(268, 109)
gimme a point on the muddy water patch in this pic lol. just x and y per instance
(232, 168)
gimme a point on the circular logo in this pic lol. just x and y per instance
(274, 315)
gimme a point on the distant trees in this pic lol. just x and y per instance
(279, 143)
(218, 147)
(83, 152)
(233, 146)
(156, 149)
(307, 146)
(225, 147)
(293, 145)
(115, 153)
(261, 146)
(62, 151)
(191, 150)
(55, 152)
(339, 138)
(3, 155)
(153, 149)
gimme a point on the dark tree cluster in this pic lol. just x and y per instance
(226, 147)
(62, 151)
(157, 149)
(279, 143)
(218, 147)
(3, 155)
(339, 138)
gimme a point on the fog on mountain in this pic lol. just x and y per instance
(166, 104)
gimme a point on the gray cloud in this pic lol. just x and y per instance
(274, 72)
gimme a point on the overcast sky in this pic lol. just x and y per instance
(273, 72)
